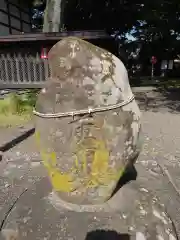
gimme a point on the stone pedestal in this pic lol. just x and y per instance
(133, 213)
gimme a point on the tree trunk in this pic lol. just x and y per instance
(53, 16)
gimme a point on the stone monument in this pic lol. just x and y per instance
(87, 130)
(87, 122)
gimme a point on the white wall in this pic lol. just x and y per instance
(15, 14)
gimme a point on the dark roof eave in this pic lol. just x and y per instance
(54, 36)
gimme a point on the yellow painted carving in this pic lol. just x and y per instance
(99, 173)
(60, 181)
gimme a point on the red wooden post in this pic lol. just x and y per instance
(44, 54)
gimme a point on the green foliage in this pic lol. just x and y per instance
(124, 15)
(147, 20)
(16, 109)
(18, 104)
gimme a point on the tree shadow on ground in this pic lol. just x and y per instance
(173, 98)
(159, 100)
(129, 175)
(106, 235)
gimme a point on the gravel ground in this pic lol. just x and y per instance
(158, 165)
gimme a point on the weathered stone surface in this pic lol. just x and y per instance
(139, 216)
(86, 152)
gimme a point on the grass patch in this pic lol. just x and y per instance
(17, 109)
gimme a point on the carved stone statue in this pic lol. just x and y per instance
(87, 122)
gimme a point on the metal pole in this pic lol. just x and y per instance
(152, 71)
